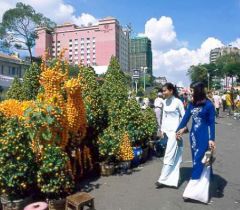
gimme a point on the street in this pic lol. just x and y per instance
(137, 191)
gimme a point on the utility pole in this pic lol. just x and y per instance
(144, 69)
(208, 75)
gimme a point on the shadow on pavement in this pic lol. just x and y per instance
(185, 174)
(87, 184)
(217, 186)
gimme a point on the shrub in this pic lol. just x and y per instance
(17, 161)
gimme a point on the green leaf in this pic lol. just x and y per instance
(47, 134)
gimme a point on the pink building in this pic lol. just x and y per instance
(90, 45)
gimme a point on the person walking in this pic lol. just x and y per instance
(238, 100)
(173, 111)
(202, 137)
(217, 103)
(224, 102)
(158, 106)
(229, 103)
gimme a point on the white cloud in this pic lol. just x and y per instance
(236, 43)
(162, 33)
(57, 10)
(171, 57)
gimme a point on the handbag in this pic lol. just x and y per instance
(208, 158)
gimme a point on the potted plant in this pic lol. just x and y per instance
(108, 146)
(18, 166)
(125, 153)
(149, 126)
(54, 177)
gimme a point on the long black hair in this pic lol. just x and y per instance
(199, 93)
(172, 88)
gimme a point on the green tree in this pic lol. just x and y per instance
(17, 29)
(15, 90)
(198, 74)
(130, 120)
(92, 99)
(30, 85)
(114, 90)
(229, 65)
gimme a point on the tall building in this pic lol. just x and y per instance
(220, 51)
(141, 54)
(89, 45)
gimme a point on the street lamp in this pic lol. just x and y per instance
(144, 69)
(208, 75)
(135, 77)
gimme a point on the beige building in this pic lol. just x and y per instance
(11, 66)
(220, 51)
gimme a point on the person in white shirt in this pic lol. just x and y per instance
(217, 102)
(158, 105)
(173, 111)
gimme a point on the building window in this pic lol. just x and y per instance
(70, 40)
(13, 70)
(70, 45)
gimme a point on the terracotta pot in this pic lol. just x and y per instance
(15, 204)
(107, 169)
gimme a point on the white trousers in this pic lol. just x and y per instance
(199, 189)
(172, 160)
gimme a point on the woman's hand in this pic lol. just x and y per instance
(180, 133)
(212, 145)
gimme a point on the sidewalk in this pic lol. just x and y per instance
(137, 191)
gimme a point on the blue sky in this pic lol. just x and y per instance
(182, 31)
(194, 20)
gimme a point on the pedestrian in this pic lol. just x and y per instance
(173, 111)
(202, 137)
(158, 106)
(229, 102)
(217, 102)
(237, 101)
(210, 96)
(224, 102)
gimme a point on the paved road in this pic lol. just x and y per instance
(137, 191)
